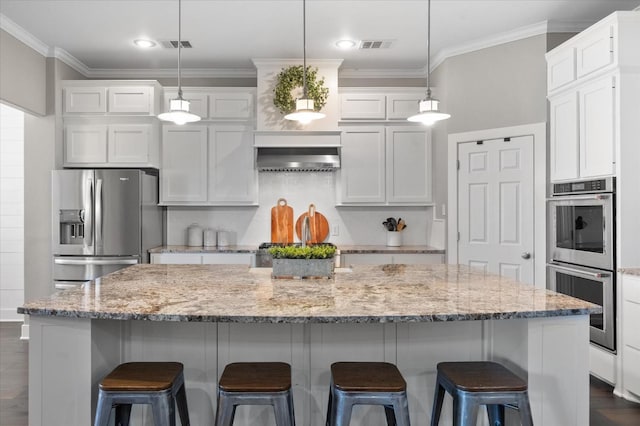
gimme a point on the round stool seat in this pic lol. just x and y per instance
(142, 376)
(481, 376)
(367, 377)
(256, 377)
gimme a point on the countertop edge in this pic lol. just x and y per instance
(345, 249)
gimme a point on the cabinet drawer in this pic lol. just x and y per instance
(631, 369)
(561, 68)
(631, 288)
(363, 106)
(85, 99)
(594, 51)
(232, 105)
(630, 319)
(130, 100)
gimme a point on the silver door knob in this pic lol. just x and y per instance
(526, 255)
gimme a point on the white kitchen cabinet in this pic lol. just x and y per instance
(630, 317)
(130, 100)
(594, 49)
(563, 112)
(408, 165)
(203, 258)
(129, 143)
(362, 173)
(183, 174)
(597, 111)
(231, 105)
(85, 100)
(362, 106)
(232, 174)
(84, 144)
(198, 101)
(385, 166)
(208, 165)
(401, 106)
(390, 258)
(561, 68)
(110, 97)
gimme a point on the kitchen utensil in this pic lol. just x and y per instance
(388, 225)
(194, 235)
(401, 224)
(282, 223)
(318, 225)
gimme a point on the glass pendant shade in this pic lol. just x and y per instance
(429, 112)
(304, 112)
(179, 112)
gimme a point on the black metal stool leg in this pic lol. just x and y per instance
(438, 399)
(496, 414)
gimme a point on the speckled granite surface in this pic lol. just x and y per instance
(235, 293)
(204, 249)
(389, 250)
(630, 271)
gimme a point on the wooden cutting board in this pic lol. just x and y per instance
(281, 223)
(318, 225)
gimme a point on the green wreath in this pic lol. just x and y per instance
(289, 79)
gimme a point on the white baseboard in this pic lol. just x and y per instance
(24, 332)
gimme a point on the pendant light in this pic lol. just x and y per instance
(304, 113)
(429, 112)
(179, 107)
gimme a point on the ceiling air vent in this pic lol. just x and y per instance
(375, 44)
(173, 44)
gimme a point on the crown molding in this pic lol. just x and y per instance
(382, 73)
(173, 72)
(279, 62)
(70, 60)
(23, 35)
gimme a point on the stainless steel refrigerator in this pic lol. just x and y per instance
(103, 220)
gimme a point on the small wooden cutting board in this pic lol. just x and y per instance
(281, 223)
(318, 225)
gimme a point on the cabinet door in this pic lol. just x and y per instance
(129, 143)
(232, 175)
(362, 174)
(184, 164)
(564, 154)
(402, 106)
(594, 50)
(362, 106)
(198, 102)
(561, 68)
(85, 144)
(231, 105)
(85, 99)
(130, 100)
(597, 128)
(408, 165)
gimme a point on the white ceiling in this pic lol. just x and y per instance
(226, 35)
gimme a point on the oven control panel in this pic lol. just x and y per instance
(585, 186)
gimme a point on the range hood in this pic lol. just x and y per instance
(304, 151)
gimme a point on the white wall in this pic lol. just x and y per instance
(252, 225)
(11, 212)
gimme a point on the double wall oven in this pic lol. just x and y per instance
(582, 249)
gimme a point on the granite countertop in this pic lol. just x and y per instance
(364, 249)
(362, 294)
(204, 249)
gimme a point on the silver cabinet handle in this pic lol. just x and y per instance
(88, 213)
(579, 197)
(579, 271)
(526, 255)
(95, 261)
(99, 213)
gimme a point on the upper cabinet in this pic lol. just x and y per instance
(585, 78)
(367, 106)
(111, 97)
(217, 104)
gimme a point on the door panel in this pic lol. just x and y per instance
(117, 209)
(72, 212)
(495, 217)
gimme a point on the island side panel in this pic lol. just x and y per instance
(552, 354)
(194, 345)
(67, 359)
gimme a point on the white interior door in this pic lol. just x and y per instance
(495, 206)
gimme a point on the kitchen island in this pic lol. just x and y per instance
(209, 315)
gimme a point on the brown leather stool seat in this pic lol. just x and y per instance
(160, 384)
(480, 383)
(255, 383)
(367, 383)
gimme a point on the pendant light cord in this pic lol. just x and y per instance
(304, 49)
(179, 47)
(428, 48)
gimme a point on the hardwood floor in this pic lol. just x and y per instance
(605, 408)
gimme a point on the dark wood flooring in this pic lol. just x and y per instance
(605, 408)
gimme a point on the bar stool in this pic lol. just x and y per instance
(480, 383)
(160, 384)
(367, 383)
(255, 383)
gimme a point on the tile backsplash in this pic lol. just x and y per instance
(252, 225)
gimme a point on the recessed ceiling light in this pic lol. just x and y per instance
(346, 44)
(144, 43)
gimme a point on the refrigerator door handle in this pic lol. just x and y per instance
(99, 213)
(64, 261)
(88, 215)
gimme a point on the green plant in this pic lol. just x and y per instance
(290, 78)
(321, 251)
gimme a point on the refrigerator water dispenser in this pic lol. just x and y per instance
(71, 226)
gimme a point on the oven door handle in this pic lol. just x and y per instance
(595, 197)
(579, 271)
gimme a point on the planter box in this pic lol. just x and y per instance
(303, 268)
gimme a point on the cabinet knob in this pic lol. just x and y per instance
(526, 255)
